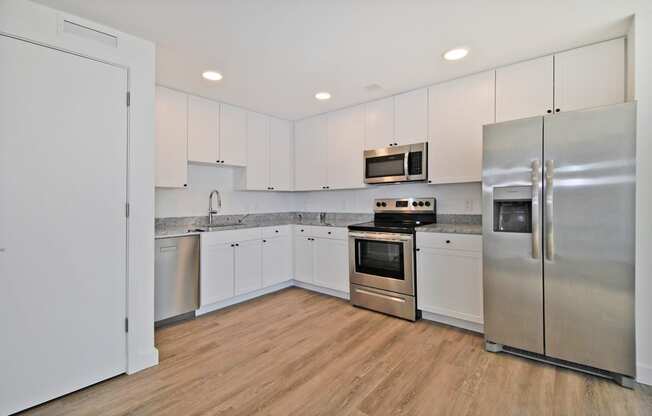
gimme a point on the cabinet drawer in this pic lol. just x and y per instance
(276, 231)
(335, 233)
(215, 237)
(450, 241)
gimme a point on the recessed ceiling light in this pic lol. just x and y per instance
(321, 96)
(212, 75)
(455, 54)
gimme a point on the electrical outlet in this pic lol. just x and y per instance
(468, 205)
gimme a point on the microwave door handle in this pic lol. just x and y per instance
(406, 165)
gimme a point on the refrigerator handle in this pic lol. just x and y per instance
(550, 232)
(536, 225)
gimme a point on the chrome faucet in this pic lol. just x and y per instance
(211, 211)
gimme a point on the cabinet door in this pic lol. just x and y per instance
(450, 283)
(331, 264)
(458, 110)
(203, 130)
(277, 260)
(280, 152)
(524, 89)
(303, 260)
(248, 266)
(216, 272)
(233, 136)
(257, 151)
(591, 76)
(310, 150)
(345, 148)
(411, 117)
(379, 123)
(171, 138)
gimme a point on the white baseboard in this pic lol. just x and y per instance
(319, 289)
(460, 323)
(644, 374)
(242, 298)
(142, 360)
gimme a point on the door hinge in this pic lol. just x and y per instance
(128, 98)
(127, 210)
(126, 324)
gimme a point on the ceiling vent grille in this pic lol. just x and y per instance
(90, 33)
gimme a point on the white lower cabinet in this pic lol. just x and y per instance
(321, 257)
(277, 260)
(216, 271)
(449, 276)
(248, 266)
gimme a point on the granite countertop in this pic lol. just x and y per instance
(451, 228)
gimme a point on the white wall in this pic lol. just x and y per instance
(42, 25)
(451, 199)
(203, 179)
(643, 90)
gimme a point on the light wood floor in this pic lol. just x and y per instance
(300, 353)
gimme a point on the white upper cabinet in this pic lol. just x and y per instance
(233, 136)
(203, 130)
(280, 155)
(379, 124)
(591, 76)
(257, 151)
(310, 147)
(411, 117)
(345, 148)
(458, 110)
(524, 89)
(171, 138)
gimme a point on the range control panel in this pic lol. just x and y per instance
(405, 205)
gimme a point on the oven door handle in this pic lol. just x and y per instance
(380, 236)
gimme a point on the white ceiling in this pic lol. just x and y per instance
(276, 54)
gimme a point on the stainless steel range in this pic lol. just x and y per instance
(382, 256)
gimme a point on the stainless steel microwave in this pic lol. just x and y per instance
(396, 164)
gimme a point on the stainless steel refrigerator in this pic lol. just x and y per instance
(558, 239)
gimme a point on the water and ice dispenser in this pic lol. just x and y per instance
(513, 209)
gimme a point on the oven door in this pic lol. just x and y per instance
(382, 260)
(389, 164)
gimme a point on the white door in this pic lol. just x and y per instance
(591, 76)
(248, 266)
(332, 264)
(216, 271)
(303, 259)
(346, 148)
(450, 283)
(277, 266)
(411, 117)
(379, 124)
(524, 89)
(257, 151)
(280, 155)
(310, 153)
(63, 164)
(458, 110)
(233, 135)
(203, 130)
(171, 138)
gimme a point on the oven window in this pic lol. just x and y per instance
(379, 258)
(392, 165)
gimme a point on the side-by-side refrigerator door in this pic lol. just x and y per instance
(511, 231)
(589, 193)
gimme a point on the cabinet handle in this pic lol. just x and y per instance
(448, 241)
(275, 231)
(185, 185)
(329, 233)
(395, 144)
(549, 111)
(232, 245)
(557, 110)
(418, 249)
(264, 241)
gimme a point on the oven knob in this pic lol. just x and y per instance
(377, 204)
(383, 204)
(414, 204)
(420, 203)
(427, 203)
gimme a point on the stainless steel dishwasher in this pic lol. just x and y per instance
(176, 277)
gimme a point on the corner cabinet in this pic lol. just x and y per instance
(458, 110)
(233, 136)
(345, 149)
(171, 138)
(310, 150)
(269, 150)
(449, 270)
